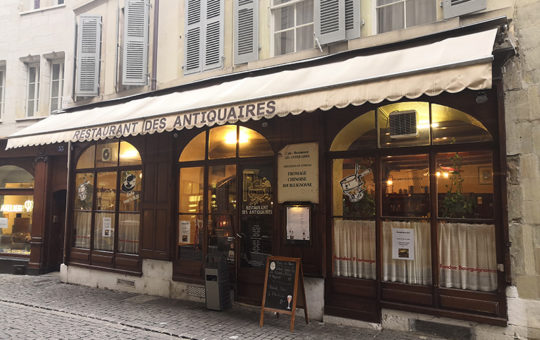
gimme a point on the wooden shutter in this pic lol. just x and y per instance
(246, 31)
(329, 20)
(454, 8)
(193, 36)
(352, 19)
(213, 34)
(135, 44)
(88, 56)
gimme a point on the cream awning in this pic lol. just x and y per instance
(451, 65)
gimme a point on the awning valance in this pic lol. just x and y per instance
(451, 65)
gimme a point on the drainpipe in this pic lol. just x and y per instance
(68, 199)
(153, 85)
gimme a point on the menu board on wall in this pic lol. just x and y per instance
(3, 223)
(298, 223)
(298, 173)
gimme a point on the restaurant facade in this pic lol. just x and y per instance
(385, 178)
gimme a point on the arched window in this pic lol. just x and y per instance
(225, 189)
(107, 198)
(16, 207)
(411, 170)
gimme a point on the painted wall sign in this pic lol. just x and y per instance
(298, 173)
(219, 116)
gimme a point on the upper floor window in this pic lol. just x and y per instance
(398, 14)
(204, 32)
(32, 93)
(292, 23)
(37, 4)
(57, 85)
(133, 61)
(88, 56)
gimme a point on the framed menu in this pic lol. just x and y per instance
(298, 222)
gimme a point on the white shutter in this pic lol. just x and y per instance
(329, 20)
(213, 34)
(352, 19)
(454, 8)
(193, 36)
(88, 56)
(135, 44)
(246, 31)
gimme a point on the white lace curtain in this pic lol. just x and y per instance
(467, 256)
(128, 233)
(354, 249)
(417, 271)
(83, 222)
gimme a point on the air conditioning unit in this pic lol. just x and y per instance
(106, 154)
(403, 124)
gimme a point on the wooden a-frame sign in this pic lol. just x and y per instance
(281, 280)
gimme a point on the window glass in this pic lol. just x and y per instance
(451, 126)
(465, 184)
(293, 26)
(407, 252)
(403, 124)
(353, 207)
(106, 191)
(222, 189)
(82, 221)
(405, 185)
(194, 151)
(256, 218)
(128, 233)
(129, 155)
(32, 97)
(253, 144)
(221, 236)
(420, 12)
(191, 190)
(398, 14)
(222, 142)
(190, 237)
(104, 231)
(130, 190)
(84, 191)
(359, 134)
(107, 155)
(16, 223)
(2, 91)
(57, 85)
(14, 177)
(86, 160)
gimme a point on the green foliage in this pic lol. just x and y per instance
(455, 204)
(365, 208)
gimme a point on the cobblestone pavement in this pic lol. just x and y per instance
(42, 307)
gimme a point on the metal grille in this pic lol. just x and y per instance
(402, 124)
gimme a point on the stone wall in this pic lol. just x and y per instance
(522, 105)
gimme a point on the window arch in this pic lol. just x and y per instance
(108, 193)
(449, 160)
(16, 208)
(220, 170)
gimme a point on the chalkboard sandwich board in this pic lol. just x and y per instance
(281, 280)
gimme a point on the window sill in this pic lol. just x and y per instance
(30, 119)
(41, 9)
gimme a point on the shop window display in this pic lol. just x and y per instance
(460, 181)
(16, 208)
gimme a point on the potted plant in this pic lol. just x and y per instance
(456, 204)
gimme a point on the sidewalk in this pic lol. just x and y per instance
(156, 317)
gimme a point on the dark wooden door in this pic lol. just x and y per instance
(56, 231)
(255, 228)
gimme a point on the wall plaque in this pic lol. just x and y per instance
(298, 173)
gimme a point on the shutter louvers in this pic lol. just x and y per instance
(246, 32)
(88, 56)
(213, 39)
(352, 19)
(135, 47)
(455, 8)
(193, 35)
(330, 20)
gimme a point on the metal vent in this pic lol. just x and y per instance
(402, 124)
(197, 291)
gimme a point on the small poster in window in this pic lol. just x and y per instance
(3, 223)
(184, 232)
(107, 227)
(402, 244)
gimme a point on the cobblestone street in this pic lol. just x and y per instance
(41, 307)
